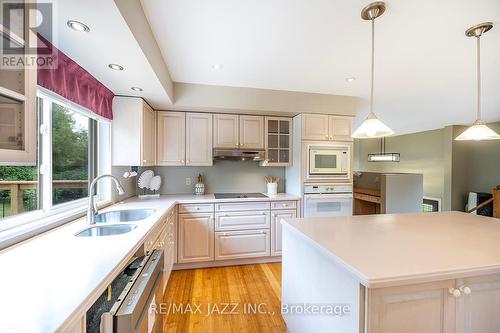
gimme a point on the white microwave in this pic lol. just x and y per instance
(328, 162)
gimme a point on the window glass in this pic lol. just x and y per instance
(70, 154)
(18, 190)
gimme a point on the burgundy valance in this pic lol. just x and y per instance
(73, 82)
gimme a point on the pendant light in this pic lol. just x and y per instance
(372, 127)
(478, 131)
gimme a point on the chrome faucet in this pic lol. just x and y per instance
(92, 210)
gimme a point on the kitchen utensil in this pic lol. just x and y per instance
(145, 179)
(199, 188)
(155, 183)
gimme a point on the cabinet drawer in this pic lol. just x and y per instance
(196, 208)
(284, 205)
(241, 244)
(239, 206)
(242, 220)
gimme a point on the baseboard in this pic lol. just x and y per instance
(233, 262)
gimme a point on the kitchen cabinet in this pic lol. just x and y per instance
(420, 308)
(478, 306)
(238, 131)
(195, 237)
(278, 141)
(251, 132)
(458, 305)
(241, 244)
(226, 131)
(168, 244)
(199, 139)
(171, 138)
(276, 228)
(133, 132)
(18, 132)
(322, 127)
(242, 220)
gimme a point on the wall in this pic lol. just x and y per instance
(476, 166)
(451, 168)
(224, 176)
(200, 97)
(420, 153)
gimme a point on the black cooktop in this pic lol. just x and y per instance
(239, 195)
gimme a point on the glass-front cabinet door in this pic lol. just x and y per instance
(278, 141)
(17, 89)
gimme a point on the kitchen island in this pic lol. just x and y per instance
(423, 272)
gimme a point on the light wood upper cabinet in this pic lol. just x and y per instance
(133, 132)
(226, 131)
(148, 128)
(278, 141)
(340, 128)
(18, 132)
(199, 139)
(252, 132)
(196, 237)
(234, 131)
(171, 141)
(315, 127)
(322, 127)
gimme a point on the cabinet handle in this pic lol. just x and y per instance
(331, 137)
(285, 205)
(454, 292)
(263, 213)
(226, 214)
(466, 290)
(326, 136)
(242, 145)
(197, 208)
(182, 161)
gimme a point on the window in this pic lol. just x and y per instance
(73, 147)
(71, 162)
(431, 205)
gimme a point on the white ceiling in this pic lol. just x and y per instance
(425, 66)
(109, 41)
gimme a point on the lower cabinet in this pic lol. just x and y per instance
(242, 220)
(196, 237)
(276, 229)
(242, 244)
(478, 308)
(467, 305)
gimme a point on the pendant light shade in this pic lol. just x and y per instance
(372, 127)
(478, 131)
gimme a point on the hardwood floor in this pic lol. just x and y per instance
(226, 299)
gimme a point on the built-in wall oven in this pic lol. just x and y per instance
(328, 162)
(328, 200)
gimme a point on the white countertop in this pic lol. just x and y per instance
(397, 249)
(55, 276)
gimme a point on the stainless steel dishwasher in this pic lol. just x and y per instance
(137, 307)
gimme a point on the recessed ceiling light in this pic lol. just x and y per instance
(116, 67)
(350, 79)
(217, 67)
(78, 26)
(136, 89)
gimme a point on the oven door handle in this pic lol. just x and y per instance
(327, 196)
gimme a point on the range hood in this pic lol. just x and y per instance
(239, 154)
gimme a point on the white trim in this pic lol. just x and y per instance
(25, 225)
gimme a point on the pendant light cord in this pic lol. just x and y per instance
(478, 101)
(373, 65)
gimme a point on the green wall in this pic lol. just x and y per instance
(451, 168)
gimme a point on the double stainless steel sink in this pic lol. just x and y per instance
(116, 216)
